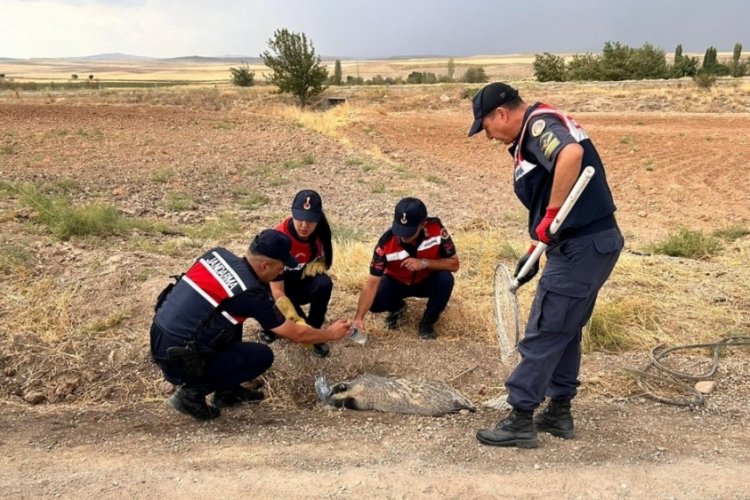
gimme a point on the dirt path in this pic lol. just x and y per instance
(624, 450)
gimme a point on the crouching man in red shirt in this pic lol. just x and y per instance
(415, 258)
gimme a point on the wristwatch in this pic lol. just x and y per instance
(424, 263)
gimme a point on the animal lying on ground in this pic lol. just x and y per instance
(397, 395)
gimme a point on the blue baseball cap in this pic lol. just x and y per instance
(274, 245)
(307, 206)
(409, 213)
(487, 100)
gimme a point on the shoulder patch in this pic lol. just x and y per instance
(538, 127)
(547, 143)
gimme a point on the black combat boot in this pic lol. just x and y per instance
(391, 321)
(556, 419)
(321, 350)
(427, 328)
(516, 430)
(191, 400)
(236, 395)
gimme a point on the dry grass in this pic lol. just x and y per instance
(328, 123)
(649, 299)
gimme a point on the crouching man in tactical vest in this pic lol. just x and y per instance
(196, 335)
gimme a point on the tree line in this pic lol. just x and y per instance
(297, 69)
(618, 62)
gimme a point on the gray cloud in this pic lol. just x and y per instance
(355, 28)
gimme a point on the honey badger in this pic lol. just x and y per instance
(371, 392)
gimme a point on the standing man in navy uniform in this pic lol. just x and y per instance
(415, 258)
(549, 150)
(196, 334)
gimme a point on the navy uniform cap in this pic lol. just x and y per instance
(307, 206)
(409, 213)
(487, 100)
(274, 245)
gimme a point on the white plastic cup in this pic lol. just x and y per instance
(358, 336)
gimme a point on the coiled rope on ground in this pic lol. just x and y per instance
(656, 373)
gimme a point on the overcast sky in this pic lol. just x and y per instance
(364, 28)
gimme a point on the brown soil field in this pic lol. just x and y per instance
(83, 409)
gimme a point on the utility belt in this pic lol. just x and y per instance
(598, 226)
(177, 352)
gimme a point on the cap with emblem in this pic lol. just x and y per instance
(410, 212)
(275, 245)
(307, 206)
(487, 100)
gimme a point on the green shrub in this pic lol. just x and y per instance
(688, 244)
(162, 175)
(549, 68)
(226, 224)
(252, 200)
(65, 220)
(704, 80)
(475, 74)
(242, 76)
(179, 202)
(14, 256)
(732, 233)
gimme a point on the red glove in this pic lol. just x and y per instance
(542, 230)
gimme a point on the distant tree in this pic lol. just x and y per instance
(709, 58)
(475, 74)
(242, 76)
(614, 61)
(2, 75)
(711, 64)
(678, 54)
(549, 68)
(337, 73)
(91, 77)
(647, 62)
(683, 65)
(74, 76)
(451, 69)
(421, 77)
(354, 80)
(296, 68)
(738, 67)
(584, 67)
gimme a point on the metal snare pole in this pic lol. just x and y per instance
(565, 209)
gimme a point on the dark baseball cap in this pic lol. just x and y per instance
(409, 213)
(487, 100)
(307, 205)
(274, 245)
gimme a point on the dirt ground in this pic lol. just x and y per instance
(83, 412)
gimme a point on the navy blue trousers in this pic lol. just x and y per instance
(576, 269)
(315, 291)
(437, 287)
(230, 365)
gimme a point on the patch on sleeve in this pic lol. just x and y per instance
(548, 143)
(537, 128)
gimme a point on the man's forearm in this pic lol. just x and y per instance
(366, 298)
(567, 170)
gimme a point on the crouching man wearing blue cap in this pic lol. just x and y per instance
(196, 334)
(415, 258)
